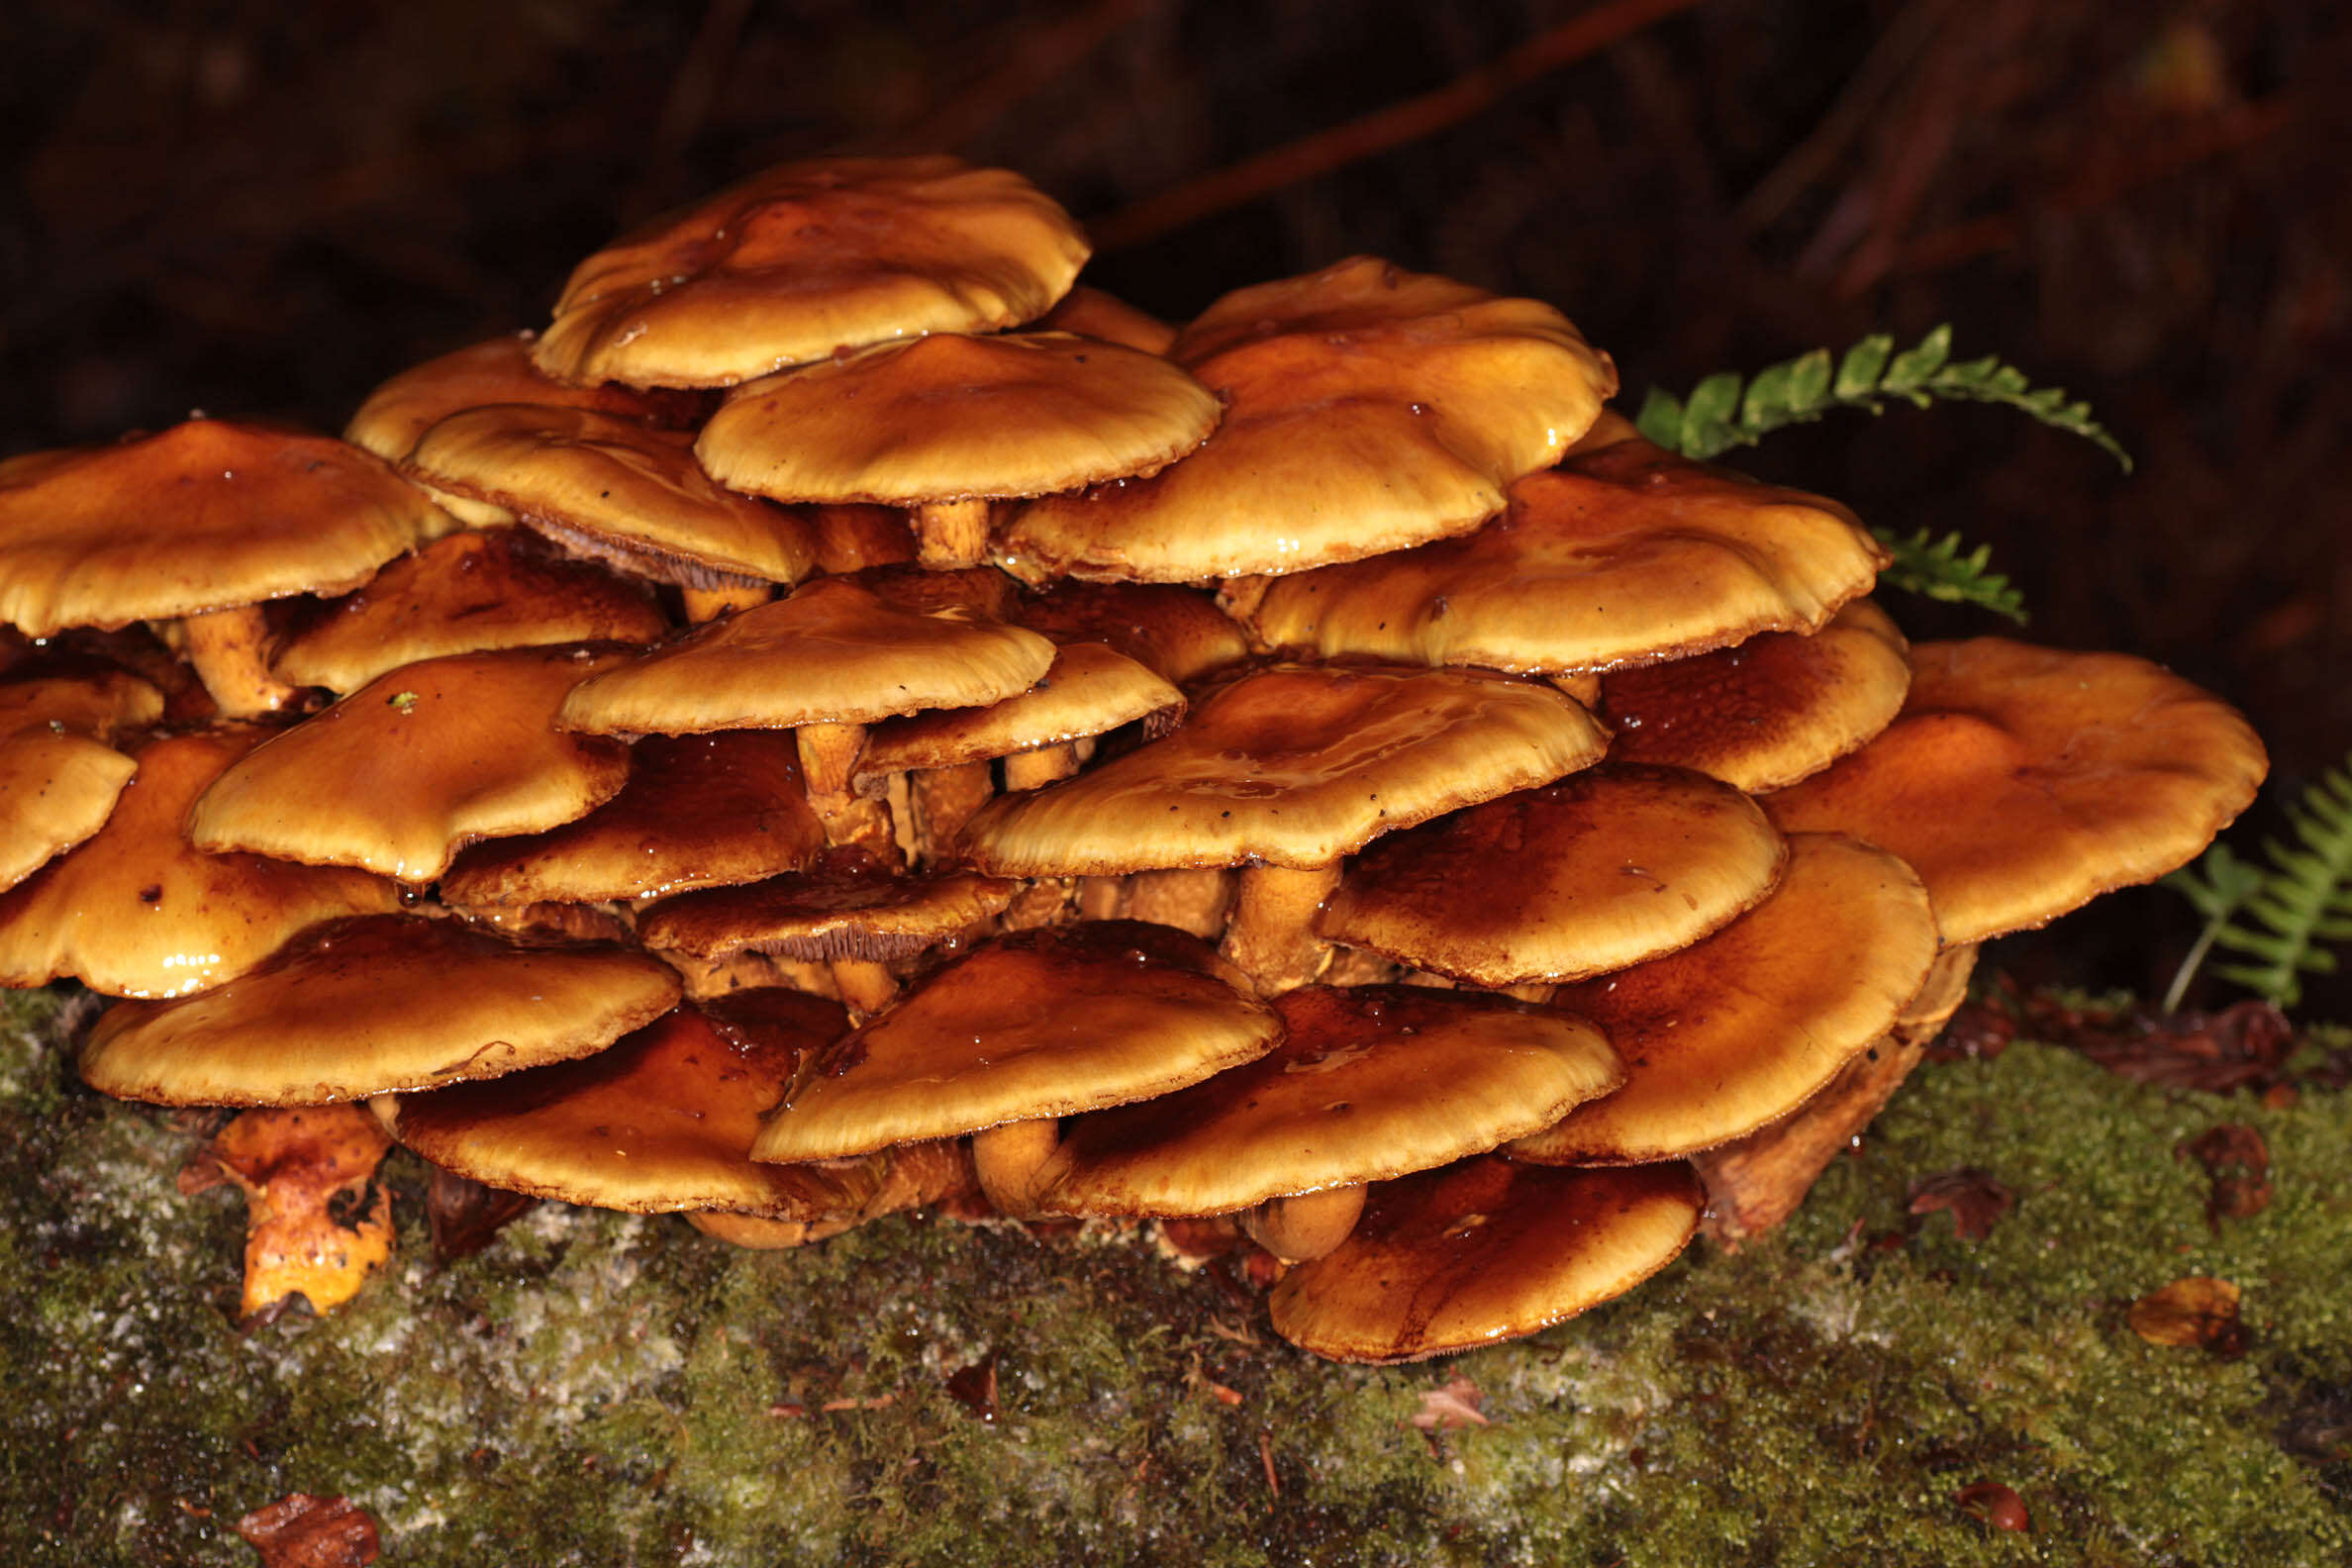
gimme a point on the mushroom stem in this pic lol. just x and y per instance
(749, 1231)
(866, 985)
(1102, 897)
(1026, 770)
(1306, 1225)
(943, 800)
(1271, 935)
(723, 598)
(1009, 1159)
(828, 758)
(1193, 901)
(951, 534)
(224, 646)
(1585, 687)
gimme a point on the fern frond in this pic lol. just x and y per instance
(2278, 916)
(1722, 412)
(1939, 569)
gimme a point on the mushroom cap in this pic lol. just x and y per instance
(808, 257)
(1482, 1251)
(417, 763)
(1043, 1022)
(698, 811)
(1091, 313)
(60, 698)
(1605, 868)
(1744, 1026)
(369, 1006)
(138, 910)
(1368, 1082)
(952, 418)
(615, 489)
(1770, 710)
(57, 788)
(1292, 766)
(1090, 689)
(1178, 632)
(832, 652)
(662, 1120)
(500, 370)
(2022, 782)
(1622, 554)
(1367, 408)
(846, 905)
(465, 593)
(208, 515)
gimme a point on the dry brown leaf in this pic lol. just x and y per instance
(304, 1531)
(1976, 1200)
(1454, 1405)
(316, 1222)
(2238, 1162)
(2196, 1311)
(1994, 1505)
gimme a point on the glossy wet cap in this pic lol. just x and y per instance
(467, 593)
(1045, 1022)
(1178, 632)
(1483, 1251)
(2022, 782)
(1091, 689)
(698, 811)
(138, 911)
(615, 490)
(952, 417)
(1367, 408)
(1622, 554)
(59, 776)
(1292, 766)
(208, 515)
(1603, 869)
(1739, 1028)
(832, 652)
(418, 763)
(499, 370)
(369, 1006)
(805, 259)
(1777, 708)
(1368, 1082)
(845, 904)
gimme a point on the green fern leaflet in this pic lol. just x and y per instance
(2277, 917)
(1939, 569)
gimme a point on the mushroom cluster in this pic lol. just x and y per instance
(845, 718)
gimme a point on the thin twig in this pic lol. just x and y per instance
(1036, 58)
(1880, 72)
(1383, 129)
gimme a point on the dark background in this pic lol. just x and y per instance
(262, 207)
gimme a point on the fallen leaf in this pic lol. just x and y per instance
(2238, 1162)
(1456, 1404)
(465, 1216)
(2195, 1311)
(1994, 1505)
(975, 1388)
(316, 1222)
(2246, 1047)
(304, 1531)
(1976, 1200)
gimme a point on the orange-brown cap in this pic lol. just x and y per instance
(496, 371)
(1483, 1251)
(1605, 868)
(60, 775)
(1178, 632)
(2022, 782)
(1368, 1082)
(808, 257)
(1622, 554)
(615, 490)
(698, 811)
(369, 1006)
(1090, 689)
(846, 905)
(1091, 313)
(208, 515)
(1769, 712)
(952, 418)
(1743, 1026)
(1367, 408)
(1040, 1024)
(466, 593)
(138, 911)
(413, 765)
(832, 652)
(1292, 766)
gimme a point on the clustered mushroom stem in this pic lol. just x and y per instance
(1584, 687)
(1306, 1225)
(749, 1231)
(1191, 900)
(709, 603)
(952, 534)
(1271, 935)
(224, 646)
(1102, 897)
(1026, 770)
(1010, 1159)
(1538, 991)
(828, 758)
(943, 800)
(866, 985)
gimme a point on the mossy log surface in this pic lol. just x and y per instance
(600, 1389)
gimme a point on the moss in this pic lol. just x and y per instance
(597, 1388)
